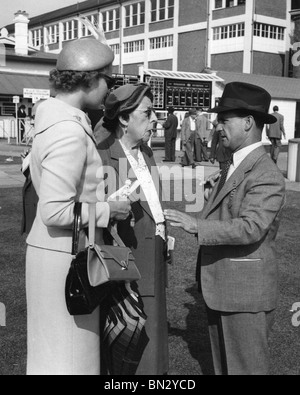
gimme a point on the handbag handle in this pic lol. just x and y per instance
(92, 228)
(76, 228)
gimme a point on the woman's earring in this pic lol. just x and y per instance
(125, 129)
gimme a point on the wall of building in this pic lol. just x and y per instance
(161, 65)
(191, 51)
(229, 12)
(268, 64)
(192, 11)
(274, 8)
(228, 62)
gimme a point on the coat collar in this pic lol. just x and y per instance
(117, 153)
(234, 181)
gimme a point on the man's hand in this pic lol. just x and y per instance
(210, 184)
(182, 220)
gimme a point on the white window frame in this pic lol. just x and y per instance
(37, 37)
(229, 31)
(69, 30)
(162, 7)
(53, 34)
(272, 32)
(140, 14)
(94, 19)
(233, 3)
(162, 42)
(108, 22)
(134, 46)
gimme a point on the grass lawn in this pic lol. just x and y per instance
(189, 343)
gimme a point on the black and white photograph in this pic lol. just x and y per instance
(150, 190)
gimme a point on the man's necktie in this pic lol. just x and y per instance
(224, 174)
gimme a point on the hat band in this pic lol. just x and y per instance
(237, 103)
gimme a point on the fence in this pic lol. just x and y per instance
(23, 134)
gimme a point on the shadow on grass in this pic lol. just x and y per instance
(196, 334)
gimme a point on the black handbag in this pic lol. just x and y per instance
(96, 270)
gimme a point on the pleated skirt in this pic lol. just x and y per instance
(58, 344)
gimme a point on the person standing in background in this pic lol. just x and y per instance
(275, 133)
(170, 127)
(21, 121)
(202, 125)
(188, 130)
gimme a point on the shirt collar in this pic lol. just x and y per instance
(240, 155)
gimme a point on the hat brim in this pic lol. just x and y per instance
(266, 118)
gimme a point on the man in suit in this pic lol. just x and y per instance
(188, 130)
(170, 127)
(275, 132)
(236, 232)
(202, 125)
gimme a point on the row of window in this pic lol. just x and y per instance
(134, 16)
(238, 30)
(268, 31)
(230, 31)
(139, 45)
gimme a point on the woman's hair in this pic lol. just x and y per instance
(70, 81)
(112, 124)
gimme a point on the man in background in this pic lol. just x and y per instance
(170, 127)
(202, 125)
(275, 133)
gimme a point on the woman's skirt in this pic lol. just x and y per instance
(58, 344)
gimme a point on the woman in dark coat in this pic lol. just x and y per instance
(125, 130)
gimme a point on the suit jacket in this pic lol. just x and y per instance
(237, 231)
(171, 126)
(141, 239)
(276, 130)
(186, 132)
(202, 125)
(65, 167)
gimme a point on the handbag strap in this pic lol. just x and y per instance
(92, 228)
(76, 227)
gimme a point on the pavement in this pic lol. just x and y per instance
(11, 176)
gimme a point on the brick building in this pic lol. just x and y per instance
(245, 36)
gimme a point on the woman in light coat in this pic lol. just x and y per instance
(66, 168)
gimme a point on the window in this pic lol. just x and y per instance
(228, 3)
(161, 42)
(70, 30)
(135, 14)
(134, 46)
(115, 48)
(269, 31)
(53, 34)
(111, 20)
(162, 10)
(38, 37)
(231, 31)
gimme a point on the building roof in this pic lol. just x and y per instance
(183, 75)
(66, 12)
(278, 87)
(13, 84)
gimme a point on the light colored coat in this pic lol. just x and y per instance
(65, 168)
(237, 231)
(276, 130)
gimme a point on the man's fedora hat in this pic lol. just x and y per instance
(246, 97)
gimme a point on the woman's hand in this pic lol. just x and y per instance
(182, 220)
(120, 209)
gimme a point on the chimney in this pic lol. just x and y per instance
(21, 22)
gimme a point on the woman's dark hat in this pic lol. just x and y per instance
(247, 97)
(126, 98)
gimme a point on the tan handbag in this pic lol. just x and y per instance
(109, 263)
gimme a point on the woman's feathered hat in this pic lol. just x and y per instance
(86, 54)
